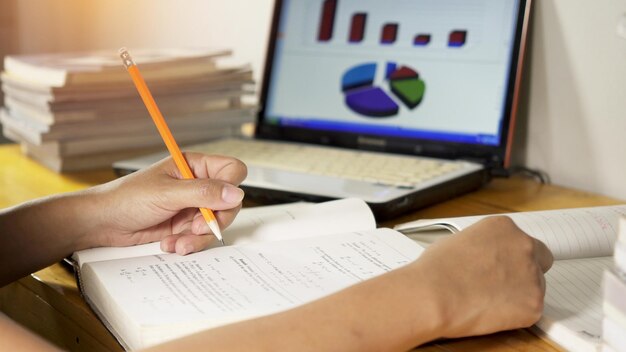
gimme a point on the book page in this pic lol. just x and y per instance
(97, 61)
(176, 295)
(613, 335)
(268, 223)
(572, 314)
(569, 233)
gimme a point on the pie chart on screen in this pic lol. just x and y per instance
(402, 86)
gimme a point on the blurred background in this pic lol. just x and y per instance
(573, 109)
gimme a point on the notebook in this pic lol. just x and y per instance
(389, 84)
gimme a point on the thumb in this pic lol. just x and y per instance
(203, 193)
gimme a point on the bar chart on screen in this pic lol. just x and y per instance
(360, 23)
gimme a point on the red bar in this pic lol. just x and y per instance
(389, 34)
(421, 39)
(327, 22)
(357, 29)
(457, 38)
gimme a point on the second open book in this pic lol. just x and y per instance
(280, 257)
(582, 241)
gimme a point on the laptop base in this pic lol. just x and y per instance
(382, 211)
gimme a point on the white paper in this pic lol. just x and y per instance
(268, 223)
(568, 233)
(572, 314)
(178, 295)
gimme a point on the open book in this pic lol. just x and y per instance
(582, 241)
(279, 257)
(276, 258)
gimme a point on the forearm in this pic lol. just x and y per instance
(38, 233)
(394, 312)
(15, 338)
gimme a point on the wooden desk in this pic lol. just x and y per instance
(49, 303)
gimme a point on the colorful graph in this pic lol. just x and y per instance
(388, 34)
(365, 98)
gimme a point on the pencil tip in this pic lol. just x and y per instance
(216, 230)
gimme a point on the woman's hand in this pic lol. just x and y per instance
(156, 204)
(486, 278)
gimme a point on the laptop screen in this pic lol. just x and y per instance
(428, 70)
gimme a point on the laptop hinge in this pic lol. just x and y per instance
(494, 167)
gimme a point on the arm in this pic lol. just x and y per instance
(147, 206)
(487, 278)
(15, 338)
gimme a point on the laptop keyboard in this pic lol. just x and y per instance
(400, 171)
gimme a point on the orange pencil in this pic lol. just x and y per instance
(166, 134)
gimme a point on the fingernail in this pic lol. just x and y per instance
(169, 248)
(187, 249)
(232, 194)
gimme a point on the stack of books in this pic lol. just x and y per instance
(78, 111)
(614, 306)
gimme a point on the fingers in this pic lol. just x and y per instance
(214, 186)
(543, 256)
(182, 222)
(189, 224)
(186, 244)
(542, 283)
(505, 225)
(224, 219)
(217, 167)
(201, 193)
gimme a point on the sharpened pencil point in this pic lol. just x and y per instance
(216, 231)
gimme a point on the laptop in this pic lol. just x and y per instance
(401, 86)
